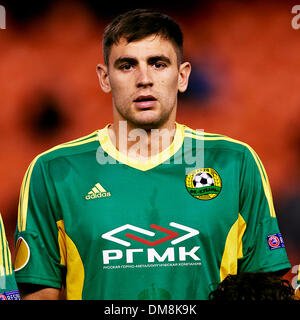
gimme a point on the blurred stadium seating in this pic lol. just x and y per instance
(245, 84)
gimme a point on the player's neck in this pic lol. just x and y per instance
(141, 144)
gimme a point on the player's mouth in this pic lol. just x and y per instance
(145, 102)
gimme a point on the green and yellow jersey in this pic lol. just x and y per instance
(8, 285)
(110, 227)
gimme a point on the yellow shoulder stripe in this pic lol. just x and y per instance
(82, 139)
(201, 132)
(262, 171)
(24, 193)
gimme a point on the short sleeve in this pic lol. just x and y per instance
(263, 245)
(38, 258)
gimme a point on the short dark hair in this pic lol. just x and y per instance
(138, 24)
(253, 286)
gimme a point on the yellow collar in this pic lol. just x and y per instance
(152, 162)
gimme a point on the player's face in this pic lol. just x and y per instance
(144, 78)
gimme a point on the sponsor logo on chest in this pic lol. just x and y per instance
(150, 254)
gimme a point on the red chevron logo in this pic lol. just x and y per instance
(111, 235)
(171, 235)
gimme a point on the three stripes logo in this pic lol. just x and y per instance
(97, 192)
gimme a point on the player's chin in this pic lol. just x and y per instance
(148, 119)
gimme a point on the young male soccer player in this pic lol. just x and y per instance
(8, 285)
(144, 208)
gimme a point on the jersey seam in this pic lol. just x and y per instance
(224, 148)
(221, 147)
(65, 156)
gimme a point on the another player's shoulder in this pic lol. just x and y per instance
(216, 140)
(2, 231)
(74, 147)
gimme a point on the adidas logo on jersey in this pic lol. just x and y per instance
(97, 192)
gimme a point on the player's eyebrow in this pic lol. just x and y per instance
(162, 58)
(122, 60)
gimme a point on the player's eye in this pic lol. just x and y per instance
(126, 66)
(159, 65)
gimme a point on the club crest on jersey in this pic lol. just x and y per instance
(203, 183)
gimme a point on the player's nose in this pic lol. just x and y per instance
(144, 78)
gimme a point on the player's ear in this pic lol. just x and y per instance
(102, 73)
(183, 76)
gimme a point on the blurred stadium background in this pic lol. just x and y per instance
(245, 83)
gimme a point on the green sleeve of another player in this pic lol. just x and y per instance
(37, 249)
(7, 283)
(8, 286)
(263, 246)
